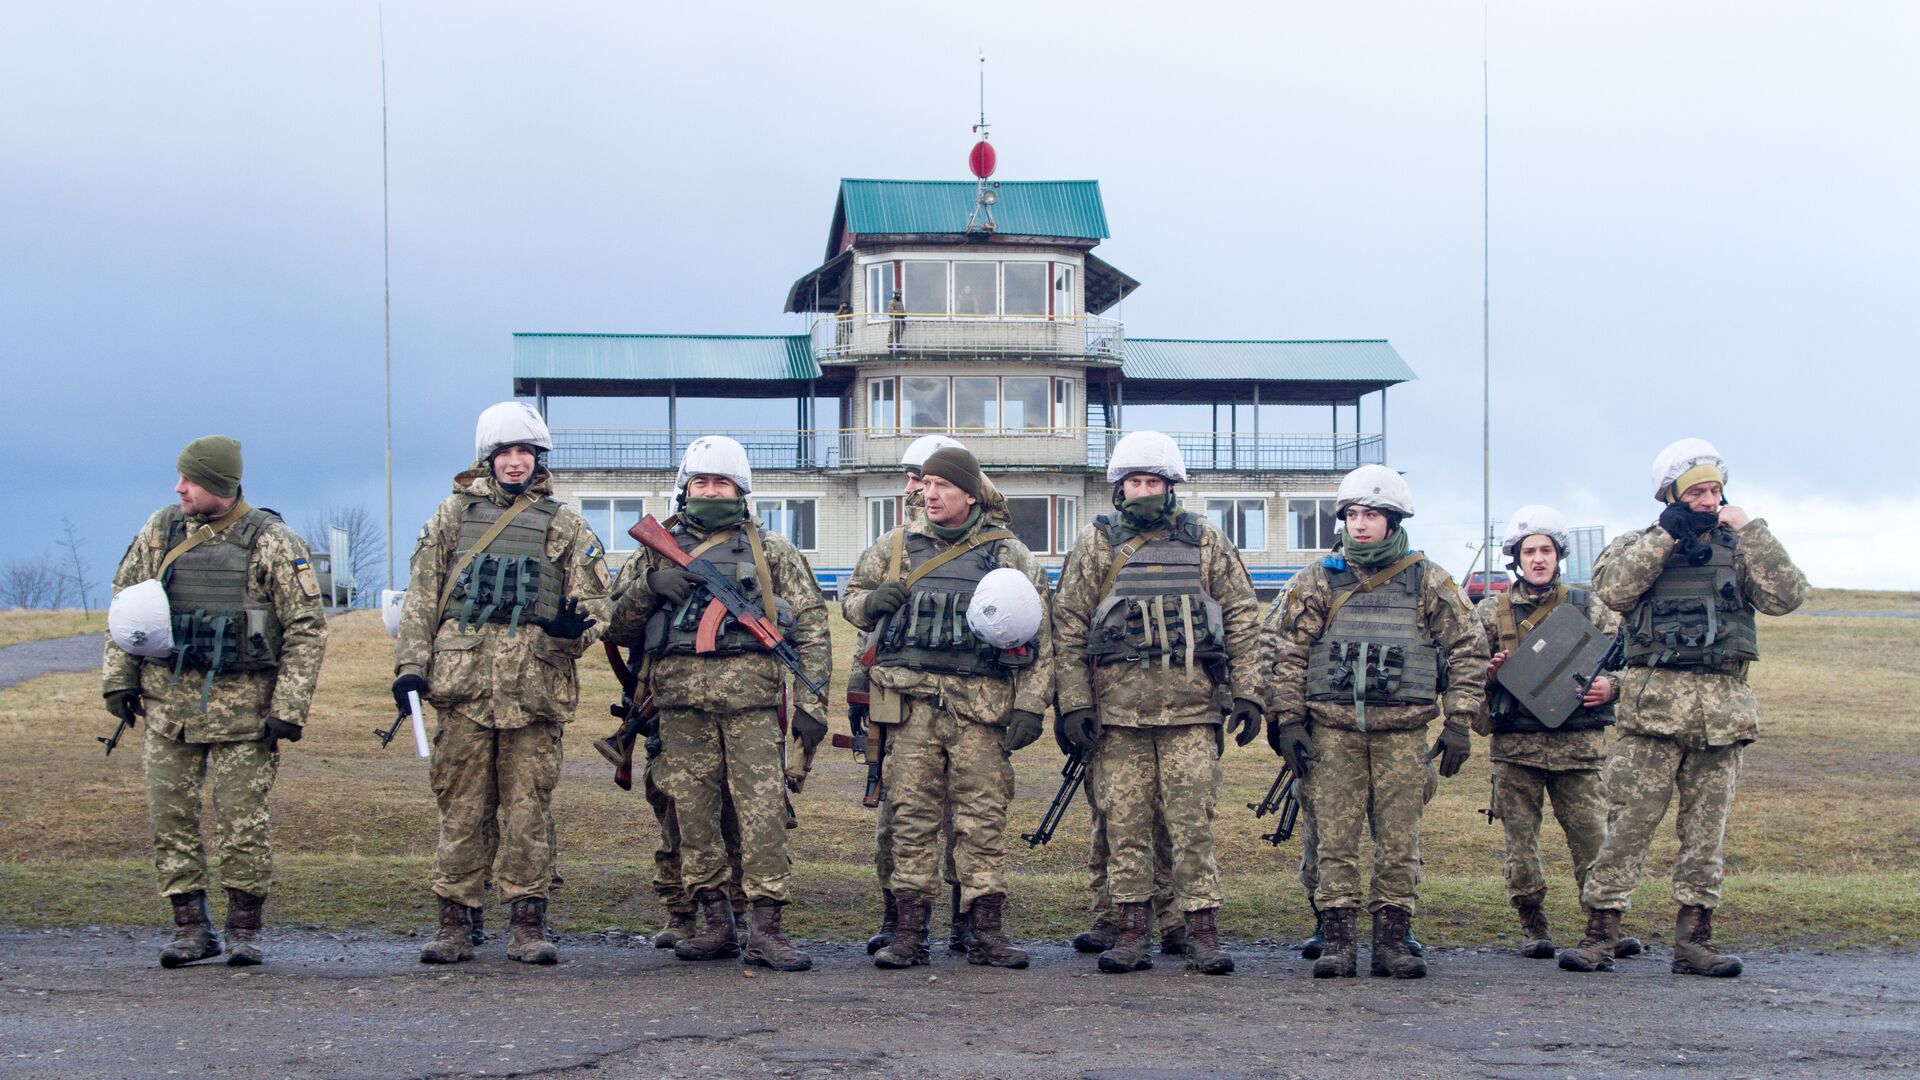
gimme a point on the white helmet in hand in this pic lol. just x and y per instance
(507, 424)
(1535, 520)
(1687, 456)
(1376, 486)
(140, 621)
(1006, 609)
(1152, 452)
(715, 455)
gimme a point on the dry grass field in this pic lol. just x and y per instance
(1820, 850)
(17, 626)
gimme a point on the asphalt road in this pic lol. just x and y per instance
(31, 659)
(93, 1003)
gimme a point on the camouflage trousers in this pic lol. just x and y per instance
(883, 841)
(1310, 829)
(242, 775)
(668, 882)
(1368, 784)
(1642, 776)
(1169, 773)
(709, 760)
(494, 788)
(1579, 804)
(1100, 899)
(941, 768)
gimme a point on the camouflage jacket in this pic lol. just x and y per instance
(1135, 696)
(1699, 709)
(241, 701)
(526, 678)
(975, 698)
(720, 684)
(1302, 619)
(1552, 750)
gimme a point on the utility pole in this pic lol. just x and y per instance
(1486, 321)
(386, 285)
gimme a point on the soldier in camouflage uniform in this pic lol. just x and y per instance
(1688, 586)
(719, 725)
(950, 709)
(505, 591)
(1360, 648)
(248, 637)
(1159, 631)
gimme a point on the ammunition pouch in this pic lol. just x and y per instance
(510, 589)
(675, 630)
(1377, 650)
(930, 633)
(1694, 617)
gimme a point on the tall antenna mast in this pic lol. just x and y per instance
(386, 285)
(981, 161)
(1486, 321)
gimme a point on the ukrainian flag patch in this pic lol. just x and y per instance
(303, 573)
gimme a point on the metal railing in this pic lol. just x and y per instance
(868, 335)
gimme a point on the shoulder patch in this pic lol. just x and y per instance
(303, 573)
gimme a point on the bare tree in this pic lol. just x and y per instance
(76, 570)
(33, 583)
(366, 538)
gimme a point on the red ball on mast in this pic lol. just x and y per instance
(981, 159)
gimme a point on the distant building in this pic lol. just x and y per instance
(1002, 340)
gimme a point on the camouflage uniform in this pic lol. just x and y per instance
(1310, 831)
(1680, 729)
(184, 746)
(669, 883)
(501, 702)
(1166, 915)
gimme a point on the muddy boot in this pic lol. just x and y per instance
(1627, 946)
(1098, 938)
(766, 945)
(1413, 943)
(987, 942)
(1595, 951)
(908, 946)
(1311, 948)
(1173, 941)
(1131, 950)
(889, 920)
(1693, 951)
(477, 926)
(243, 928)
(1204, 953)
(961, 925)
(716, 940)
(1390, 954)
(527, 933)
(1533, 923)
(455, 940)
(1339, 956)
(192, 931)
(680, 926)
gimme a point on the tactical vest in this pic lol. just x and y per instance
(1694, 617)
(930, 631)
(1158, 607)
(512, 581)
(217, 626)
(676, 630)
(1377, 650)
(1511, 717)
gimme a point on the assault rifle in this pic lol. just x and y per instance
(1282, 798)
(1071, 775)
(869, 746)
(1615, 656)
(636, 717)
(727, 600)
(114, 739)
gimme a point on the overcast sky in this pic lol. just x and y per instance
(1704, 222)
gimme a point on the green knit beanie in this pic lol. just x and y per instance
(213, 462)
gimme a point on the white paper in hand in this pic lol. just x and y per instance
(419, 724)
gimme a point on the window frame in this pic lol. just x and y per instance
(612, 499)
(786, 499)
(1315, 497)
(1209, 498)
(896, 504)
(891, 383)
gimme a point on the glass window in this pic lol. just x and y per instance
(926, 288)
(1030, 522)
(976, 403)
(791, 518)
(1243, 520)
(1062, 290)
(1066, 518)
(611, 518)
(1026, 403)
(1026, 288)
(923, 402)
(1063, 406)
(1310, 524)
(880, 408)
(975, 290)
(879, 286)
(883, 515)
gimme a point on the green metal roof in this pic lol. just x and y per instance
(1271, 361)
(656, 357)
(1064, 208)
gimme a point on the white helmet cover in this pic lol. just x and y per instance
(923, 447)
(1152, 452)
(391, 603)
(1534, 520)
(506, 424)
(1005, 610)
(1680, 456)
(715, 455)
(1376, 486)
(140, 621)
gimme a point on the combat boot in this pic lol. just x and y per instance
(243, 928)
(1339, 955)
(1311, 948)
(1097, 938)
(527, 933)
(987, 942)
(716, 939)
(1173, 941)
(766, 945)
(960, 927)
(908, 946)
(680, 926)
(477, 926)
(1595, 951)
(1390, 955)
(1693, 951)
(889, 920)
(1202, 944)
(455, 940)
(1627, 946)
(1131, 950)
(192, 931)
(1533, 923)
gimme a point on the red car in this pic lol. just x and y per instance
(1478, 583)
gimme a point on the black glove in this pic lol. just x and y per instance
(857, 714)
(672, 584)
(1023, 728)
(1684, 523)
(571, 622)
(1291, 741)
(1082, 731)
(809, 728)
(405, 683)
(1244, 721)
(125, 705)
(1453, 749)
(885, 599)
(277, 729)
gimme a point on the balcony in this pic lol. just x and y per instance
(870, 336)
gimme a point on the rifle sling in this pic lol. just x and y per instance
(204, 533)
(1124, 554)
(1512, 633)
(460, 564)
(984, 536)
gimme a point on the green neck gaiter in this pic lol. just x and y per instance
(1146, 511)
(948, 534)
(715, 514)
(1378, 553)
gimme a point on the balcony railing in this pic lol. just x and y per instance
(1066, 449)
(865, 336)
